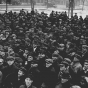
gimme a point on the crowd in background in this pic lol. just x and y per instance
(41, 51)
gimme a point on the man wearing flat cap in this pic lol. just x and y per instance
(28, 82)
(84, 53)
(34, 70)
(85, 68)
(1, 64)
(75, 71)
(50, 75)
(84, 74)
(18, 62)
(22, 72)
(10, 72)
(64, 75)
(62, 50)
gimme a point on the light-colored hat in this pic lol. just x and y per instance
(49, 60)
(75, 86)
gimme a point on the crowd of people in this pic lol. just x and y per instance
(41, 51)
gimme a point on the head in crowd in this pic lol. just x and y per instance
(21, 72)
(29, 80)
(10, 60)
(64, 66)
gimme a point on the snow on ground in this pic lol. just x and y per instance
(80, 10)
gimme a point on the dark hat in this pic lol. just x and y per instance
(66, 61)
(34, 62)
(55, 55)
(10, 58)
(18, 59)
(23, 69)
(30, 76)
(78, 57)
(49, 61)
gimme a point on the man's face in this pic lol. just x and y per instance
(1, 62)
(68, 45)
(14, 37)
(10, 62)
(20, 73)
(49, 62)
(30, 58)
(2, 53)
(62, 67)
(41, 55)
(84, 49)
(56, 52)
(10, 49)
(26, 51)
(21, 31)
(86, 65)
(28, 82)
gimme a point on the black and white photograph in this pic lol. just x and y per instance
(43, 43)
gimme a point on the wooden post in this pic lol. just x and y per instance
(32, 5)
(69, 7)
(72, 7)
(47, 3)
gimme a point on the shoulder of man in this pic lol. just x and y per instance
(22, 86)
(34, 87)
